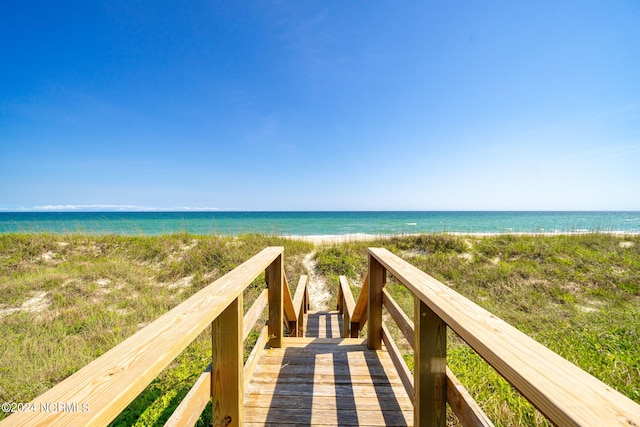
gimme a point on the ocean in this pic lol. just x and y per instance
(317, 223)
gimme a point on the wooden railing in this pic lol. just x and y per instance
(108, 384)
(565, 394)
(354, 314)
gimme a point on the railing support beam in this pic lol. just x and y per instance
(274, 275)
(430, 367)
(377, 277)
(227, 370)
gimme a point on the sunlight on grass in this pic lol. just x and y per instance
(67, 299)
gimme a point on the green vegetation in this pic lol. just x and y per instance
(66, 299)
(578, 295)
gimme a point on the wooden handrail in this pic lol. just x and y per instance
(360, 312)
(461, 402)
(289, 312)
(346, 305)
(189, 410)
(564, 393)
(463, 405)
(253, 314)
(402, 320)
(301, 304)
(403, 371)
(192, 405)
(109, 383)
(300, 296)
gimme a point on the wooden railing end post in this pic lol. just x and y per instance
(275, 283)
(227, 368)
(376, 283)
(430, 367)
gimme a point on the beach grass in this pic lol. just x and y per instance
(66, 299)
(579, 295)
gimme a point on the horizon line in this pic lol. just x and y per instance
(146, 209)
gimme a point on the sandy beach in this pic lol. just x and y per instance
(328, 239)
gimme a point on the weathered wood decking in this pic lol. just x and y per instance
(323, 379)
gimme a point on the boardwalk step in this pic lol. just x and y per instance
(326, 381)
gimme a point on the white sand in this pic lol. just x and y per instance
(340, 238)
(38, 303)
(324, 239)
(319, 294)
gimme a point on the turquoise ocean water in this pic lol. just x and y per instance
(317, 223)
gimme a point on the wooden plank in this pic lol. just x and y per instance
(327, 378)
(324, 360)
(289, 312)
(112, 381)
(321, 332)
(306, 341)
(349, 302)
(563, 392)
(325, 390)
(335, 323)
(361, 403)
(306, 300)
(402, 320)
(430, 368)
(301, 331)
(274, 278)
(376, 283)
(252, 361)
(324, 324)
(196, 400)
(463, 405)
(301, 371)
(298, 346)
(227, 372)
(401, 367)
(253, 314)
(327, 381)
(349, 306)
(299, 304)
(360, 311)
(327, 416)
(298, 299)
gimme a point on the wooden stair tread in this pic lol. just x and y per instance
(326, 381)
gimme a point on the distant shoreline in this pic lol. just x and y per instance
(320, 239)
(324, 239)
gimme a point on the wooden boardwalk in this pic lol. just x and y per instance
(315, 376)
(323, 379)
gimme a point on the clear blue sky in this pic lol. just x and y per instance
(294, 105)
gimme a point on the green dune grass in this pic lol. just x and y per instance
(67, 299)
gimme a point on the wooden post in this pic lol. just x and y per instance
(377, 276)
(301, 325)
(304, 310)
(346, 324)
(227, 370)
(342, 308)
(430, 368)
(274, 281)
(306, 300)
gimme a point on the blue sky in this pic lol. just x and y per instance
(293, 105)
